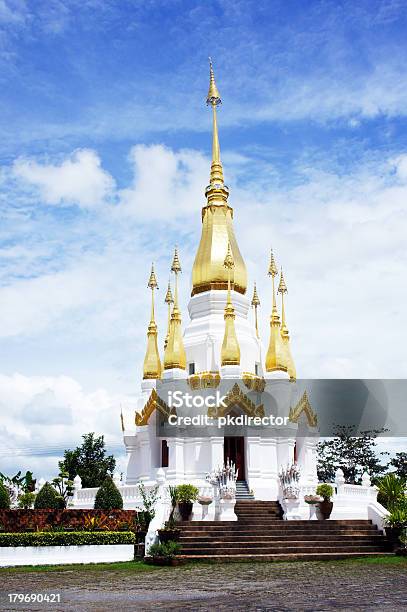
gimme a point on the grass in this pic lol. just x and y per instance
(134, 566)
(140, 566)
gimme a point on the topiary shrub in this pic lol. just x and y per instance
(326, 491)
(4, 497)
(108, 496)
(47, 498)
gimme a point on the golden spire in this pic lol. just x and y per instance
(274, 357)
(230, 354)
(121, 418)
(152, 362)
(208, 271)
(255, 304)
(174, 355)
(168, 300)
(285, 336)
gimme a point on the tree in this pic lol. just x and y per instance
(4, 497)
(353, 454)
(400, 463)
(48, 498)
(89, 461)
(63, 484)
(108, 496)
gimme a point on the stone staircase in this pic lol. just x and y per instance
(260, 534)
(242, 491)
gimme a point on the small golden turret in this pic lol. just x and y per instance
(152, 362)
(174, 355)
(168, 300)
(230, 354)
(285, 336)
(274, 357)
(255, 304)
(208, 272)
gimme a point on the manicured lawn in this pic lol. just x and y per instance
(140, 566)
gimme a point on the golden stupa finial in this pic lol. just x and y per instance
(174, 355)
(274, 357)
(152, 362)
(285, 335)
(230, 353)
(255, 304)
(208, 271)
(121, 418)
(168, 300)
(213, 96)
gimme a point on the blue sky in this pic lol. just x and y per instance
(104, 151)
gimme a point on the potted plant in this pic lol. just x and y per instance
(186, 495)
(163, 553)
(325, 506)
(169, 531)
(396, 523)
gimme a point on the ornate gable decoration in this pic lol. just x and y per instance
(154, 402)
(303, 406)
(236, 397)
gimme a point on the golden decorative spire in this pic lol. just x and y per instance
(174, 355)
(230, 354)
(285, 336)
(255, 304)
(168, 300)
(274, 357)
(208, 271)
(152, 362)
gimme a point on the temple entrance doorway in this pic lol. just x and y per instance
(233, 449)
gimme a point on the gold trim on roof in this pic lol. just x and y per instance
(204, 380)
(236, 397)
(305, 407)
(254, 382)
(154, 402)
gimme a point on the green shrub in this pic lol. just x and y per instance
(325, 491)
(391, 490)
(108, 496)
(67, 538)
(165, 550)
(4, 497)
(47, 498)
(397, 517)
(26, 500)
(187, 493)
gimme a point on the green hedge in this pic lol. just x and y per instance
(64, 538)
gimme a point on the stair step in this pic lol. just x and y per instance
(222, 558)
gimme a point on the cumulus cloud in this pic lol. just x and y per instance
(166, 183)
(44, 415)
(79, 180)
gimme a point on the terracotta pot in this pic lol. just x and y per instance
(185, 510)
(325, 509)
(167, 535)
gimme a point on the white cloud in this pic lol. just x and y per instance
(79, 180)
(166, 184)
(43, 414)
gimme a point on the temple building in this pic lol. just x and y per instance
(218, 345)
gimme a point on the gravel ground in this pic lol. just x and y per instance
(242, 586)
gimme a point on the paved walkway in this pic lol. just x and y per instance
(246, 586)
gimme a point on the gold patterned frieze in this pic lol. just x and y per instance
(237, 398)
(204, 380)
(154, 402)
(254, 382)
(305, 407)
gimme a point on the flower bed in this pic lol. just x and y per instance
(61, 538)
(18, 520)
